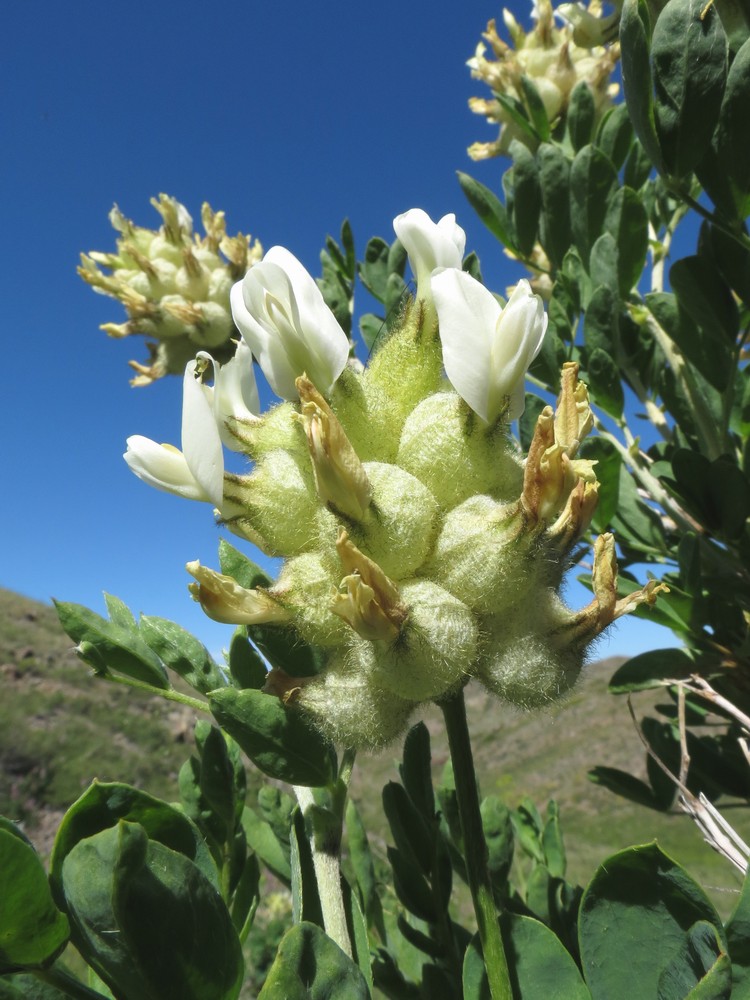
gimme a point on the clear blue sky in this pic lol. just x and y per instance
(287, 116)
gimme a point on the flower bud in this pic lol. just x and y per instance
(278, 502)
(399, 527)
(224, 600)
(283, 317)
(487, 348)
(436, 646)
(351, 709)
(339, 477)
(173, 284)
(455, 454)
(484, 557)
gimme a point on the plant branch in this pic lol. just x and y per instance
(475, 847)
(62, 980)
(169, 693)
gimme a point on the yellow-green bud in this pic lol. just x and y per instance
(435, 648)
(448, 448)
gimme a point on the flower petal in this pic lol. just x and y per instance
(162, 466)
(467, 314)
(429, 244)
(201, 442)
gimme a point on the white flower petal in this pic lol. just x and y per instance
(467, 314)
(429, 244)
(162, 466)
(282, 315)
(201, 442)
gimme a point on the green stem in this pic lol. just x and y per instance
(475, 847)
(169, 693)
(325, 858)
(62, 980)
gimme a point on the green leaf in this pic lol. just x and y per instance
(706, 296)
(416, 770)
(104, 804)
(689, 56)
(182, 652)
(718, 492)
(119, 612)
(552, 843)
(412, 887)
(411, 833)
(738, 940)
(527, 198)
(731, 134)
(627, 221)
(600, 323)
(581, 116)
(593, 180)
(246, 896)
(498, 834)
(245, 664)
(489, 208)
(604, 263)
(279, 740)
(32, 929)
(604, 382)
(118, 647)
(709, 354)
(702, 971)
(26, 986)
(218, 779)
(634, 918)
(370, 328)
(554, 180)
(305, 897)
(535, 107)
(648, 670)
(363, 867)
(538, 964)
(148, 921)
(608, 464)
(310, 966)
(614, 135)
(284, 647)
(374, 270)
(635, 39)
(262, 839)
(235, 564)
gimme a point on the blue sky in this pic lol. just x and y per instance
(287, 116)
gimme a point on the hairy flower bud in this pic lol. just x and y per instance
(173, 284)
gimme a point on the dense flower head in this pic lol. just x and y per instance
(553, 59)
(173, 283)
(420, 548)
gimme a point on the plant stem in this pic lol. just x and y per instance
(325, 857)
(169, 693)
(475, 847)
(62, 980)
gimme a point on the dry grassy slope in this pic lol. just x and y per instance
(60, 727)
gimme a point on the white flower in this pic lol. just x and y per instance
(234, 394)
(486, 348)
(429, 244)
(196, 472)
(282, 315)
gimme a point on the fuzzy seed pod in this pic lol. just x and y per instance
(305, 589)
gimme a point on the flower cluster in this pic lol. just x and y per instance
(419, 549)
(173, 284)
(554, 60)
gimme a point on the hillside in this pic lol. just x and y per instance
(60, 727)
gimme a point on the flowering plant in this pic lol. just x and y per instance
(424, 547)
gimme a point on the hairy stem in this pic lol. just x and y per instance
(325, 857)
(169, 693)
(475, 847)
